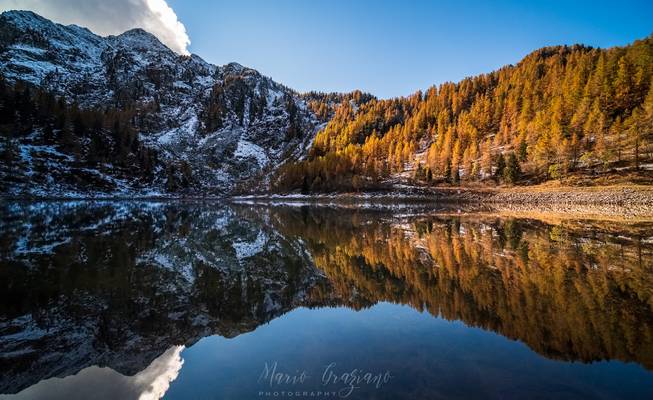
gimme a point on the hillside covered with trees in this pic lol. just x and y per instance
(571, 113)
(47, 137)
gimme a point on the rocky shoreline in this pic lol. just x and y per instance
(617, 195)
(576, 196)
(620, 201)
(617, 201)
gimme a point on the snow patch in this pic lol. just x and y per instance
(248, 149)
(248, 249)
(187, 129)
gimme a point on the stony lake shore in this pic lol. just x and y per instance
(609, 195)
(623, 201)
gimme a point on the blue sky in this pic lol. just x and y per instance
(393, 48)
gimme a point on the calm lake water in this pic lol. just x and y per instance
(128, 300)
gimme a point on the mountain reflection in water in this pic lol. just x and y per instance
(107, 293)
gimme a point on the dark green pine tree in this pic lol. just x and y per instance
(501, 166)
(523, 151)
(512, 170)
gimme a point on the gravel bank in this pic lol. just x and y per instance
(634, 201)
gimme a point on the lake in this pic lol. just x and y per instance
(200, 300)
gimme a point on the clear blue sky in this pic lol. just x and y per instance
(393, 48)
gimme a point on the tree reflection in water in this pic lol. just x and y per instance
(117, 284)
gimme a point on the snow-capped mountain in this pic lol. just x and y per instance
(228, 125)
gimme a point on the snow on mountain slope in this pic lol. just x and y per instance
(228, 125)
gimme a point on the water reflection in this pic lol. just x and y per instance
(104, 383)
(106, 291)
(577, 291)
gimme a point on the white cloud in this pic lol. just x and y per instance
(104, 383)
(112, 17)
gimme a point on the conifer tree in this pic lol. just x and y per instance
(447, 171)
(561, 110)
(501, 165)
(512, 171)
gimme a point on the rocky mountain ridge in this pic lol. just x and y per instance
(225, 127)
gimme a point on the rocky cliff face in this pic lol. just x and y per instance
(228, 125)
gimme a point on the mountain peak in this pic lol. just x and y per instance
(138, 32)
(25, 18)
(141, 39)
(20, 24)
(23, 14)
(224, 122)
(233, 68)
